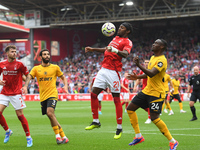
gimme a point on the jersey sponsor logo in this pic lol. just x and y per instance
(45, 79)
(45, 73)
(9, 72)
(197, 82)
(15, 68)
(160, 64)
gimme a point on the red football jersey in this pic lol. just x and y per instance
(125, 82)
(144, 81)
(12, 74)
(111, 60)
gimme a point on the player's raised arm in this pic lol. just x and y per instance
(148, 72)
(91, 49)
(24, 88)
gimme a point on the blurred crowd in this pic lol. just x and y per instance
(182, 54)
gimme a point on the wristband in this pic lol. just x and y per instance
(114, 50)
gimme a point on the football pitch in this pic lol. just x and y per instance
(74, 116)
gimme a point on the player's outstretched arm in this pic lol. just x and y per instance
(90, 49)
(24, 88)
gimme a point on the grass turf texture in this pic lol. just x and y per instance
(74, 116)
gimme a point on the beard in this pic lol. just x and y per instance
(46, 61)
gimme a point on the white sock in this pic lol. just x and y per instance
(28, 136)
(57, 135)
(64, 137)
(7, 130)
(119, 126)
(138, 135)
(96, 120)
(172, 140)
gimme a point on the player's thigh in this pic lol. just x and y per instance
(113, 81)
(51, 103)
(155, 104)
(100, 80)
(177, 96)
(100, 96)
(140, 100)
(4, 101)
(17, 101)
(44, 107)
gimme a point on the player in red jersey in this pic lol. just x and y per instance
(13, 70)
(144, 83)
(108, 75)
(125, 90)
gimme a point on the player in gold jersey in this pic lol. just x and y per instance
(175, 93)
(167, 80)
(152, 96)
(46, 75)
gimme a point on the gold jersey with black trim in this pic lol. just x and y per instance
(46, 78)
(176, 84)
(166, 79)
(155, 85)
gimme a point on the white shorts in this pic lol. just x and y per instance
(125, 95)
(16, 100)
(100, 96)
(107, 78)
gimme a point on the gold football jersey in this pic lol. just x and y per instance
(46, 78)
(155, 85)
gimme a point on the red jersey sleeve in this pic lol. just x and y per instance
(24, 69)
(128, 46)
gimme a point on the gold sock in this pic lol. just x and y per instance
(163, 128)
(56, 129)
(168, 106)
(61, 132)
(181, 105)
(134, 121)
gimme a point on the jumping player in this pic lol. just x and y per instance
(108, 76)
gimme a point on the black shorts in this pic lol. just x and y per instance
(166, 95)
(176, 96)
(195, 96)
(146, 101)
(50, 102)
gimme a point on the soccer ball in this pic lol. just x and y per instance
(108, 29)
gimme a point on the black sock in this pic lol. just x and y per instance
(193, 110)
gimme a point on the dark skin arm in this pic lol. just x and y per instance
(135, 77)
(123, 53)
(148, 72)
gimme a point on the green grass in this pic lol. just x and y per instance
(74, 116)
